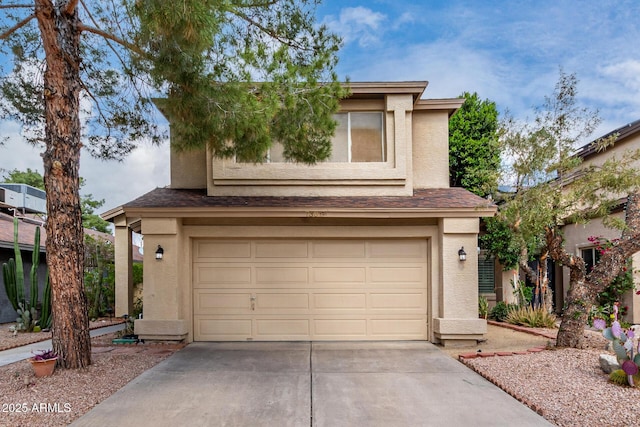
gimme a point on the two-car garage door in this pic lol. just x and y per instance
(310, 290)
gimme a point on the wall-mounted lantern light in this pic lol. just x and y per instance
(159, 253)
(462, 255)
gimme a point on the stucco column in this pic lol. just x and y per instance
(123, 267)
(458, 320)
(162, 299)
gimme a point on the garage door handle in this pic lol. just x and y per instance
(253, 302)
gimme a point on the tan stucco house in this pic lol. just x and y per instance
(364, 246)
(627, 138)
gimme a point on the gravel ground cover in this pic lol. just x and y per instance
(10, 340)
(565, 386)
(68, 394)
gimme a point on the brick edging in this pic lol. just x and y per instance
(464, 356)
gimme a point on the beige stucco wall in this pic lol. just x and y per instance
(430, 149)
(189, 169)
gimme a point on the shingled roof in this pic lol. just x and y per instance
(26, 232)
(422, 199)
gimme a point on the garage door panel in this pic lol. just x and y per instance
(224, 249)
(343, 275)
(398, 302)
(397, 275)
(216, 329)
(339, 301)
(281, 275)
(216, 303)
(340, 250)
(401, 250)
(282, 249)
(207, 276)
(282, 301)
(282, 327)
(397, 327)
(340, 328)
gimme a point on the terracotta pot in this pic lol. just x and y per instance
(43, 368)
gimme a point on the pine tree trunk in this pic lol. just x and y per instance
(58, 25)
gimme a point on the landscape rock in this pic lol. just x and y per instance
(608, 363)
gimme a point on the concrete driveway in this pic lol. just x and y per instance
(311, 384)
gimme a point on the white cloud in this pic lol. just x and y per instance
(359, 24)
(627, 73)
(117, 183)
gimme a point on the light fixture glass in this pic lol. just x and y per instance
(462, 255)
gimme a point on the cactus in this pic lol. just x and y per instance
(26, 318)
(623, 345)
(13, 275)
(35, 263)
(19, 275)
(9, 277)
(45, 316)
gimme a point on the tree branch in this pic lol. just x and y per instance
(261, 4)
(15, 6)
(71, 7)
(113, 38)
(16, 27)
(271, 33)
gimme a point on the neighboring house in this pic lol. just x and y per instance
(26, 232)
(364, 246)
(577, 235)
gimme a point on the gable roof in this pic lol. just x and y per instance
(622, 133)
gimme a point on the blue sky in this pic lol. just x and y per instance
(507, 51)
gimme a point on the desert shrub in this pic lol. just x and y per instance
(532, 317)
(483, 307)
(501, 310)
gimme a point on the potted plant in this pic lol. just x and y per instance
(44, 363)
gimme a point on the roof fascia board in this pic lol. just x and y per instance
(311, 212)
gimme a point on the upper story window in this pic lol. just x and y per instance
(359, 137)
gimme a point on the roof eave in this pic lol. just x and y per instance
(311, 212)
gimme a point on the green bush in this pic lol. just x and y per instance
(501, 310)
(532, 317)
